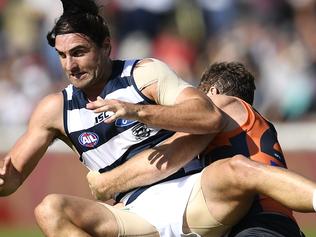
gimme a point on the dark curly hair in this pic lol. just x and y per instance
(230, 78)
(80, 16)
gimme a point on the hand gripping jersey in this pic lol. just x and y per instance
(256, 139)
(102, 146)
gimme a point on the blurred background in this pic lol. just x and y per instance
(275, 39)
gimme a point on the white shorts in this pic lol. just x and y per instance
(163, 205)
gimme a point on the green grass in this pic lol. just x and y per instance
(309, 233)
(19, 232)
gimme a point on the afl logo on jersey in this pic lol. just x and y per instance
(88, 139)
(124, 122)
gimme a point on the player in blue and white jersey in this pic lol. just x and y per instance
(141, 98)
(145, 98)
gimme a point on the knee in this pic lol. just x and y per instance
(50, 208)
(244, 171)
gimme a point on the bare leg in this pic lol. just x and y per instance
(69, 216)
(229, 186)
(226, 198)
(287, 187)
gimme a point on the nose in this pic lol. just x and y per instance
(70, 64)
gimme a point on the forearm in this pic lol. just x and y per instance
(10, 178)
(189, 116)
(28, 150)
(20, 161)
(150, 166)
(9, 186)
(134, 173)
(192, 113)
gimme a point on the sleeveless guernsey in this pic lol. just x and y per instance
(102, 146)
(256, 139)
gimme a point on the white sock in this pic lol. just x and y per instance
(314, 200)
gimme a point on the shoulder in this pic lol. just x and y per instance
(158, 81)
(233, 109)
(149, 61)
(149, 71)
(50, 104)
(48, 113)
(152, 65)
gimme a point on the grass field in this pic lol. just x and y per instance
(36, 233)
(310, 233)
(4, 232)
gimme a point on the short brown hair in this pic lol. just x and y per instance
(230, 78)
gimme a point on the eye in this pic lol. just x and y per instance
(78, 53)
(61, 55)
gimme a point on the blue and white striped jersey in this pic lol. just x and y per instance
(104, 146)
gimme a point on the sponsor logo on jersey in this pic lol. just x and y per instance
(88, 139)
(124, 122)
(102, 116)
(141, 131)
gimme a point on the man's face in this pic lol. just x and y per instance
(81, 59)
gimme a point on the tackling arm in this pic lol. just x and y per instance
(180, 107)
(149, 166)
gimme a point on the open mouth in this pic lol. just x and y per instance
(78, 75)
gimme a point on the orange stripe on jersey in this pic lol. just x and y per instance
(256, 139)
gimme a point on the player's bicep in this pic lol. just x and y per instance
(191, 93)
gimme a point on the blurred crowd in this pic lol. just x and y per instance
(275, 39)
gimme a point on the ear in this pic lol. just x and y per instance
(107, 45)
(213, 91)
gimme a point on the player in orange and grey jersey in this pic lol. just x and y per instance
(256, 139)
(250, 134)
